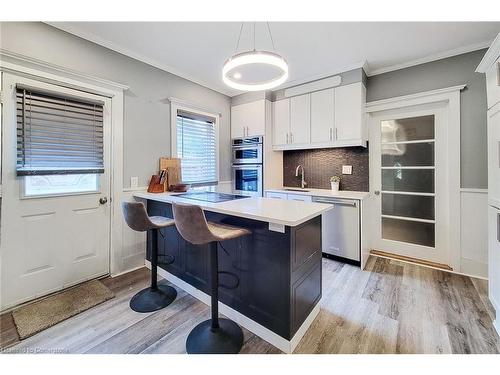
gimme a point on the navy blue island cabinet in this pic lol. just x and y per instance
(272, 278)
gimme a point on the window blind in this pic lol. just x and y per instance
(196, 147)
(58, 134)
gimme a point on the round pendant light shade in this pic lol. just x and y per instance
(255, 71)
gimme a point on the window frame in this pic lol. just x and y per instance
(176, 106)
(23, 195)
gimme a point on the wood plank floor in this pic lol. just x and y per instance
(392, 307)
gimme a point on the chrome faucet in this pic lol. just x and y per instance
(303, 182)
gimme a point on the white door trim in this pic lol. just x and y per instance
(71, 79)
(451, 96)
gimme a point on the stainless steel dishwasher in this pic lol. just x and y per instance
(340, 234)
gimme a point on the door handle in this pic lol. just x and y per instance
(103, 200)
(377, 192)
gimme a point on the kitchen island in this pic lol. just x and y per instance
(270, 280)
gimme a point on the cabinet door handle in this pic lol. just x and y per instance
(286, 138)
(331, 134)
(336, 134)
(291, 137)
(248, 131)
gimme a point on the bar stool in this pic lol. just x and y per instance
(213, 336)
(156, 296)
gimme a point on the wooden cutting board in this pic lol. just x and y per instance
(173, 167)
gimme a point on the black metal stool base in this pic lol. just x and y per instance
(227, 339)
(149, 300)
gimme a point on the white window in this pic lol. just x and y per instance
(195, 142)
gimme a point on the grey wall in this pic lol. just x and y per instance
(146, 109)
(438, 74)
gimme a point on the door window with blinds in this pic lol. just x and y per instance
(196, 141)
(60, 145)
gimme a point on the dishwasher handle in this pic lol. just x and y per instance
(337, 202)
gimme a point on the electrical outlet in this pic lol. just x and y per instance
(347, 169)
(134, 182)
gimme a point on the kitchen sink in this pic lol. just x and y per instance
(290, 189)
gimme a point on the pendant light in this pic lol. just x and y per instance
(255, 70)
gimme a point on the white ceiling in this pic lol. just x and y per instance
(197, 50)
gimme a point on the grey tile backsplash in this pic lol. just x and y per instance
(321, 164)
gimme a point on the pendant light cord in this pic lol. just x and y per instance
(239, 37)
(271, 36)
(254, 36)
(241, 31)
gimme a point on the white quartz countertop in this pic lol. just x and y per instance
(277, 211)
(343, 194)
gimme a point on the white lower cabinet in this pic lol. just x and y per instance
(276, 195)
(299, 197)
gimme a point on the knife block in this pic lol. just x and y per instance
(155, 186)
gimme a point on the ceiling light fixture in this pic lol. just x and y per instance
(265, 70)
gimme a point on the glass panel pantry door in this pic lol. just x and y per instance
(409, 176)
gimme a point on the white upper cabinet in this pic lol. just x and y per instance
(327, 118)
(322, 116)
(281, 122)
(349, 112)
(249, 119)
(300, 119)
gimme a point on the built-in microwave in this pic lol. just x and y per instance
(247, 150)
(247, 179)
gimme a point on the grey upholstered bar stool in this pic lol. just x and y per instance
(214, 336)
(156, 296)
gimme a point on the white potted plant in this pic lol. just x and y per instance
(335, 182)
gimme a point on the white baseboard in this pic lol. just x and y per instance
(264, 333)
(127, 271)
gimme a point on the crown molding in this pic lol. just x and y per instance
(137, 56)
(490, 57)
(430, 58)
(21, 60)
(411, 99)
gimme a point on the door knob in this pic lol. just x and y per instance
(377, 192)
(103, 200)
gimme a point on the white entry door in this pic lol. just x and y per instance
(55, 229)
(408, 152)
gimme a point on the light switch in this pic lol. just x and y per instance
(134, 182)
(347, 169)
